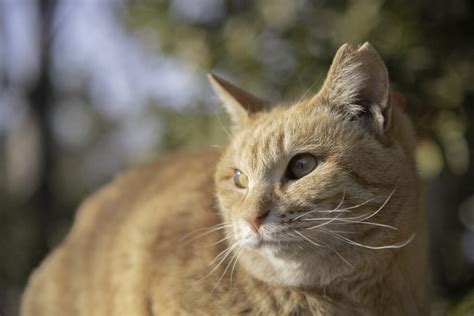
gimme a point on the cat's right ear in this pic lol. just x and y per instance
(358, 84)
(239, 104)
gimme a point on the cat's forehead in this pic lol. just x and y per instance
(260, 143)
(280, 133)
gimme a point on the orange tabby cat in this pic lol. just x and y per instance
(318, 212)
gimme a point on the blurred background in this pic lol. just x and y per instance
(90, 87)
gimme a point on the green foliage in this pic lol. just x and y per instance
(192, 129)
(465, 307)
(279, 48)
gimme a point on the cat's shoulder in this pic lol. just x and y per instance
(189, 171)
(172, 165)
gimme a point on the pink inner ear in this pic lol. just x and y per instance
(398, 99)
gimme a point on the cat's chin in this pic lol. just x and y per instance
(285, 263)
(266, 245)
(279, 264)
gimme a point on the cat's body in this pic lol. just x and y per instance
(347, 238)
(132, 260)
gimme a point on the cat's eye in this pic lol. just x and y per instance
(301, 165)
(240, 179)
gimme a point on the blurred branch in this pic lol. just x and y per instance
(40, 97)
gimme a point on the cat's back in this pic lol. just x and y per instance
(123, 236)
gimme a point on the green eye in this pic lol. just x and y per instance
(301, 165)
(240, 179)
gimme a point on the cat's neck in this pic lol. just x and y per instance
(368, 291)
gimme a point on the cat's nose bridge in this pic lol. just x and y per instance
(257, 206)
(259, 197)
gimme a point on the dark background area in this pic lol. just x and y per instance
(90, 87)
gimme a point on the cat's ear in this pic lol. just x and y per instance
(239, 104)
(358, 84)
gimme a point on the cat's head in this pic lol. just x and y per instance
(324, 182)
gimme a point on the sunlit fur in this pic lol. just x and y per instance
(355, 168)
(349, 238)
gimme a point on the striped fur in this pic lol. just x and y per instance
(170, 238)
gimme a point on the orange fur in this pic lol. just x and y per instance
(349, 238)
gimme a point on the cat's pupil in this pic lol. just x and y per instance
(301, 165)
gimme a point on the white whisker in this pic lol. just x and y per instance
(223, 127)
(234, 265)
(203, 229)
(309, 89)
(343, 231)
(219, 241)
(297, 237)
(207, 231)
(350, 241)
(382, 206)
(224, 254)
(318, 219)
(362, 217)
(347, 209)
(338, 254)
(343, 221)
(342, 200)
(225, 270)
(368, 215)
(325, 223)
(307, 239)
(359, 205)
(333, 210)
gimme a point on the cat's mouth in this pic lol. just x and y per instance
(259, 243)
(267, 236)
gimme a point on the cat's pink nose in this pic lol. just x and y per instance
(255, 218)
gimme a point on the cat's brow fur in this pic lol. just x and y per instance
(347, 239)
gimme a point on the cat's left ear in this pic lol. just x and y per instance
(357, 83)
(239, 104)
